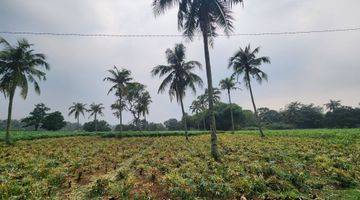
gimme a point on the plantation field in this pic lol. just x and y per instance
(312, 133)
(323, 164)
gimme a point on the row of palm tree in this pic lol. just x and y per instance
(178, 76)
(205, 17)
(78, 109)
(131, 96)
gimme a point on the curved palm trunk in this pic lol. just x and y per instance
(255, 110)
(184, 118)
(231, 113)
(214, 148)
(8, 122)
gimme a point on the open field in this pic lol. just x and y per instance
(321, 164)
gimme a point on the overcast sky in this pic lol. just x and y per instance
(307, 68)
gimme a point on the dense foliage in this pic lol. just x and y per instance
(287, 165)
(53, 121)
(36, 116)
(100, 126)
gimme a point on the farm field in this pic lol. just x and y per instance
(308, 164)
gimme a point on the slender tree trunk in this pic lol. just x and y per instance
(214, 147)
(95, 122)
(255, 110)
(145, 125)
(8, 122)
(231, 113)
(120, 118)
(198, 123)
(204, 123)
(78, 123)
(120, 103)
(184, 118)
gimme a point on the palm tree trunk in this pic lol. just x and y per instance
(184, 118)
(214, 148)
(120, 118)
(95, 122)
(78, 123)
(8, 122)
(231, 113)
(255, 110)
(120, 110)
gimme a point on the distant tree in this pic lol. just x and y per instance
(172, 124)
(303, 116)
(268, 116)
(156, 127)
(204, 98)
(19, 67)
(343, 117)
(229, 84)
(94, 126)
(332, 105)
(144, 103)
(95, 110)
(204, 16)
(120, 78)
(246, 63)
(223, 117)
(197, 107)
(36, 116)
(179, 77)
(118, 107)
(76, 109)
(135, 91)
(53, 121)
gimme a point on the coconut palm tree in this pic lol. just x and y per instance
(20, 65)
(246, 63)
(205, 16)
(216, 96)
(144, 103)
(118, 107)
(196, 107)
(120, 78)
(229, 84)
(76, 109)
(179, 76)
(333, 105)
(95, 110)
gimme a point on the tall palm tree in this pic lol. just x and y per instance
(179, 76)
(333, 105)
(120, 78)
(20, 65)
(76, 109)
(205, 16)
(246, 63)
(95, 110)
(229, 84)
